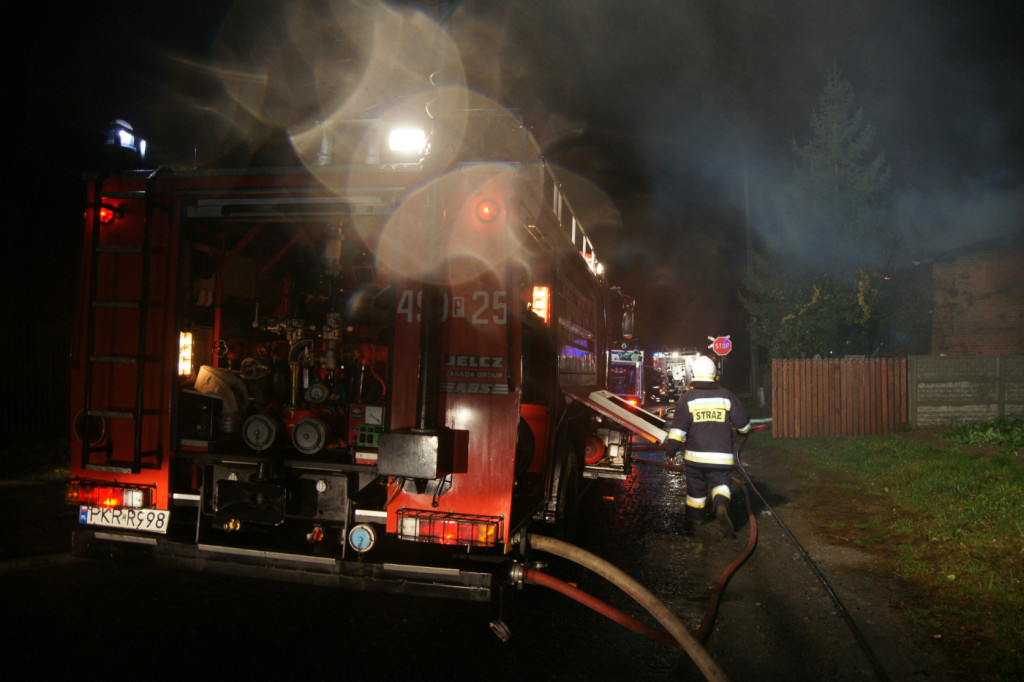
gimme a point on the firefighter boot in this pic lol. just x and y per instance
(724, 522)
(692, 520)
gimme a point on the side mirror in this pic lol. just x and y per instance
(627, 317)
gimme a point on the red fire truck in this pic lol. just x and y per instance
(373, 375)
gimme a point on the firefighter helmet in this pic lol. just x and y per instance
(704, 369)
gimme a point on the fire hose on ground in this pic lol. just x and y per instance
(700, 634)
(843, 612)
(638, 592)
(677, 631)
(748, 485)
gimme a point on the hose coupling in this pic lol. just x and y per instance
(517, 575)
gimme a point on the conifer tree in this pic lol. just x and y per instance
(828, 303)
(841, 196)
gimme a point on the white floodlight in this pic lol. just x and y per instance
(121, 135)
(407, 140)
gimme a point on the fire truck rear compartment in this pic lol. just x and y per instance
(300, 410)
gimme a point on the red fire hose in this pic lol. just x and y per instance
(709, 615)
(614, 614)
(702, 631)
(639, 593)
(605, 609)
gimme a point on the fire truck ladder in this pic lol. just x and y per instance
(142, 304)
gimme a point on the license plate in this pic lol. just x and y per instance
(149, 520)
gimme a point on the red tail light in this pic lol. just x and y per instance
(109, 496)
(449, 528)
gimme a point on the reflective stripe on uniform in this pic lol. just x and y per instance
(709, 410)
(709, 402)
(721, 491)
(676, 434)
(720, 458)
(696, 502)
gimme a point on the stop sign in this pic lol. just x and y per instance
(722, 345)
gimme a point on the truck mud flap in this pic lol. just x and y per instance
(397, 578)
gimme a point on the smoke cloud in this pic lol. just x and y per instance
(678, 115)
(695, 106)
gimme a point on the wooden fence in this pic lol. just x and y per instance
(842, 397)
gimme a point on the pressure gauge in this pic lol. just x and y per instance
(317, 393)
(362, 537)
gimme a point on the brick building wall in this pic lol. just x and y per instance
(979, 304)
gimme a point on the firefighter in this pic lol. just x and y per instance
(704, 420)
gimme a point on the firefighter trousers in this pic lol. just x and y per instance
(702, 483)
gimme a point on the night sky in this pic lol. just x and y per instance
(674, 119)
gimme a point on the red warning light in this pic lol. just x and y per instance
(487, 211)
(109, 214)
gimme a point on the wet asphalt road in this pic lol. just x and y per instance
(104, 619)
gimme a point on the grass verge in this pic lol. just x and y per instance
(955, 531)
